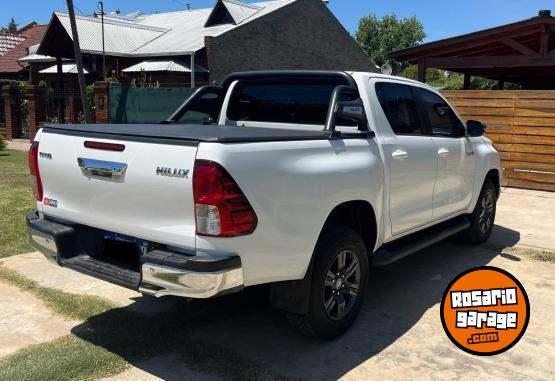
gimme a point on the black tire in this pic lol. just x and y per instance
(344, 293)
(482, 218)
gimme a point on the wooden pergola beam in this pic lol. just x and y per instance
(422, 70)
(488, 62)
(544, 41)
(520, 48)
(471, 40)
(466, 84)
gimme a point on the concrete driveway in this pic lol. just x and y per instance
(398, 335)
(525, 218)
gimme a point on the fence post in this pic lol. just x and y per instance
(102, 101)
(9, 94)
(35, 106)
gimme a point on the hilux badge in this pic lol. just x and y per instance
(172, 172)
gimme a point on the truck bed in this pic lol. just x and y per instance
(186, 134)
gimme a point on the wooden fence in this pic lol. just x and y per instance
(522, 126)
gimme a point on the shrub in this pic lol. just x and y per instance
(2, 142)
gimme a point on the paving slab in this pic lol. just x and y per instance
(25, 320)
(36, 267)
(166, 367)
(525, 218)
(399, 335)
(47, 274)
(19, 144)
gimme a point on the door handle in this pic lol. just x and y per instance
(101, 168)
(399, 154)
(443, 152)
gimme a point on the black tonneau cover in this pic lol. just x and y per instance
(186, 133)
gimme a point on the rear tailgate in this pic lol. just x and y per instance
(146, 201)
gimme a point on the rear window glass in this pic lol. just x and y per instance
(281, 103)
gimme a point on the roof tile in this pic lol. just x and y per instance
(27, 38)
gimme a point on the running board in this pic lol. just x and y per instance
(392, 252)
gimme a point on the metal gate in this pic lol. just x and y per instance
(22, 110)
(2, 112)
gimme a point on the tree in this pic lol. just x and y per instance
(11, 27)
(380, 37)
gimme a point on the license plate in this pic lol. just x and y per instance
(141, 244)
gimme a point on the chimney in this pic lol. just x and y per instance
(544, 13)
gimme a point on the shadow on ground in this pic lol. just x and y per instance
(397, 298)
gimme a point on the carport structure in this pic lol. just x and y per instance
(522, 52)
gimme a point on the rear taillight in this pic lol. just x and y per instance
(36, 183)
(221, 208)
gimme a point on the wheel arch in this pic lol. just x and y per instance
(358, 215)
(495, 176)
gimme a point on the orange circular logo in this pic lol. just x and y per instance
(485, 311)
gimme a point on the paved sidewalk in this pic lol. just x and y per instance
(25, 320)
(19, 144)
(36, 267)
(398, 335)
(525, 218)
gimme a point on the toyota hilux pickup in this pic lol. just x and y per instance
(297, 179)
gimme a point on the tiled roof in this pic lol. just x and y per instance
(26, 38)
(8, 42)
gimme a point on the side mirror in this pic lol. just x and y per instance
(475, 128)
(352, 110)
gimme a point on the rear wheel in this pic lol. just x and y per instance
(339, 280)
(482, 218)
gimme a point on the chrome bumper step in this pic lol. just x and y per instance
(160, 273)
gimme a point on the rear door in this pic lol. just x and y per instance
(455, 155)
(411, 158)
(151, 199)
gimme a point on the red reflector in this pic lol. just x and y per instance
(105, 146)
(36, 183)
(221, 208)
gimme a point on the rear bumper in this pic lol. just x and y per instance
(161, 272)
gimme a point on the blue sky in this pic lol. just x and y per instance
(441, 19)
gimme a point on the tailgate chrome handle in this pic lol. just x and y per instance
(92, 167)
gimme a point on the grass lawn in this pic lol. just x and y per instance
(537, 254)
(15, 201)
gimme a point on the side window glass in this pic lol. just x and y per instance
(399, 106)
(441, 119)
(204, 110)
(285, 102)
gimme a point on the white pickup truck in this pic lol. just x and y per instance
(300, 179)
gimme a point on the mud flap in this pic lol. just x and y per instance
(292, 296)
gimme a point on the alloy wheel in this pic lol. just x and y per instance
(485, 218)
(342, 285)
